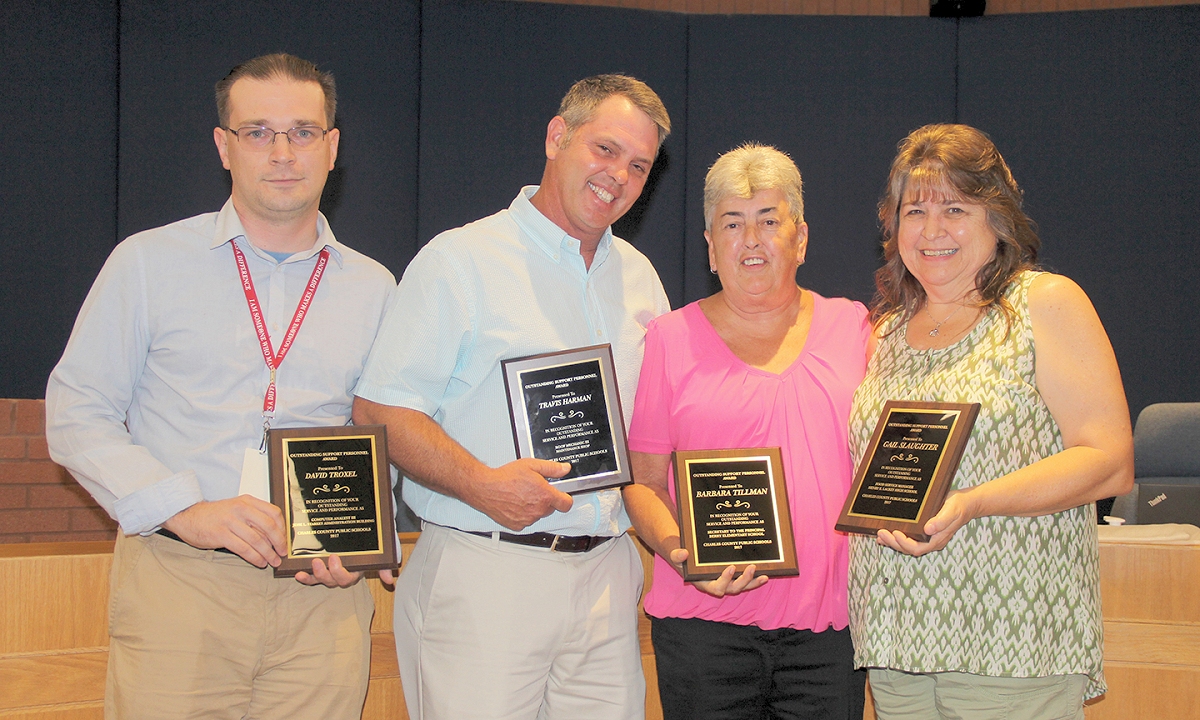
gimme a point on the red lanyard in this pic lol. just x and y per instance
(273, 359)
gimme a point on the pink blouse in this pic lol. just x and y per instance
(695, 394)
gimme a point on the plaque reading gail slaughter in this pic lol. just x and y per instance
(733, 510)
(909, 465)
(564, 406)
(334, 488)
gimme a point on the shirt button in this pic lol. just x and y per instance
(887, 581)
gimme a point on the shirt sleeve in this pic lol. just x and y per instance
(423, 338)
(649, 431)
(662, 303)
(89, 394)
(863, 317)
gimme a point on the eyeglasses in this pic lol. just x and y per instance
(259, 137)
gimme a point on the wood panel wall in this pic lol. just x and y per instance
(54, 640)
(860, 7)
(54, 635)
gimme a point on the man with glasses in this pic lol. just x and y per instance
(195, 338)
(520, 601)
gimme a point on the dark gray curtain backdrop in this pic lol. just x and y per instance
(443, 108)
(59, 179)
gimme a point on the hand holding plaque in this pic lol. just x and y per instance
(733, 510)
(565, 407)
(909, 465)
(335, 490)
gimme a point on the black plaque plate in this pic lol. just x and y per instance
(733, 510)
(564, 406)
(334, 488)
(909, 465)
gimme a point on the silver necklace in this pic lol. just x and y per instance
(938, 324)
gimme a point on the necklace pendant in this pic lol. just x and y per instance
(933, 332)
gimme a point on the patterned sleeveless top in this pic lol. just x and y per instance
(1008, 596)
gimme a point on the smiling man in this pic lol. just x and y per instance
(188, 347)
(520, 601)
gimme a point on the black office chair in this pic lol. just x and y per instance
(1166, 454)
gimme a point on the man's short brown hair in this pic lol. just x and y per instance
(277, 66)
(579, 105)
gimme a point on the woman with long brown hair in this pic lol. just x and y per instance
(998, 613)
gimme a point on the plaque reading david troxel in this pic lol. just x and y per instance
(334, 488)
(733, 510)
(564, 406)
(908, 468)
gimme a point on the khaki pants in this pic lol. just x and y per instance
(961, 696)
(201, 634)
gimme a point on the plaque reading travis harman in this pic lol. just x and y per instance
(733, 510)
(564, 406)
(908, 467)
(334, 488)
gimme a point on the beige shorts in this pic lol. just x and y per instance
(961, 696)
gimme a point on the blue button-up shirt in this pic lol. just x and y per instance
(160, 389)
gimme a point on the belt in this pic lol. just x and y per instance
(555, 543)
(168, 534)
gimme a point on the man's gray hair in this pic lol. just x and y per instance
(579, 105)
(744, 171)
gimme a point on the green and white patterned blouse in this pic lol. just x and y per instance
(1008, 596)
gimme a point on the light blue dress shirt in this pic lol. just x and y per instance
(160, 389)
(509, 285)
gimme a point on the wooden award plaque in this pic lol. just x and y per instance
(335, 490)
(733, 510)
(909, 465)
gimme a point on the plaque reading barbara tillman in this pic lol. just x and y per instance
(908, 467)
(733, 510)
(334, 488)
(564, 406)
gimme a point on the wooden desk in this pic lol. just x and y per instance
(1151, 600)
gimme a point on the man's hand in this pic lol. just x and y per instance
(330, 574)
(517, 495)
(244, 525)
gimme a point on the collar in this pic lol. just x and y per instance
(548, 237)
(229, 228)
